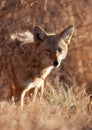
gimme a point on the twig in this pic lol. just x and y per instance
(45, 7)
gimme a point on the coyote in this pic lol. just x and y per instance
(27, 65)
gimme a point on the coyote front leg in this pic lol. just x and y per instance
(36, 91)
(42, 90)
(30, 86)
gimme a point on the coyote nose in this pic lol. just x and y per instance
(55, 63)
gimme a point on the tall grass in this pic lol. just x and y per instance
(63, 110)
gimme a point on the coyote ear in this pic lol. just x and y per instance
(39, 34)
(67, 34)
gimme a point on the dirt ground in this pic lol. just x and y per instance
(74, 72)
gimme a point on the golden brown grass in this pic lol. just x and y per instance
(58, 111)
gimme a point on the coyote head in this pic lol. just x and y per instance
(52, 49)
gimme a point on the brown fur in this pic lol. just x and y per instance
(27, 65)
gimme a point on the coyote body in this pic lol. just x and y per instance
(27, 65)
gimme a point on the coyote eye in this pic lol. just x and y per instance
(59, 49)
(48, 50)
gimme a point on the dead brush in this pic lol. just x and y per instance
(72, 99)
(60, 109)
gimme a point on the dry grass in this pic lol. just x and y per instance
(58, 111)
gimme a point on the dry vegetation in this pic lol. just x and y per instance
(59, 111)
(66, 104)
